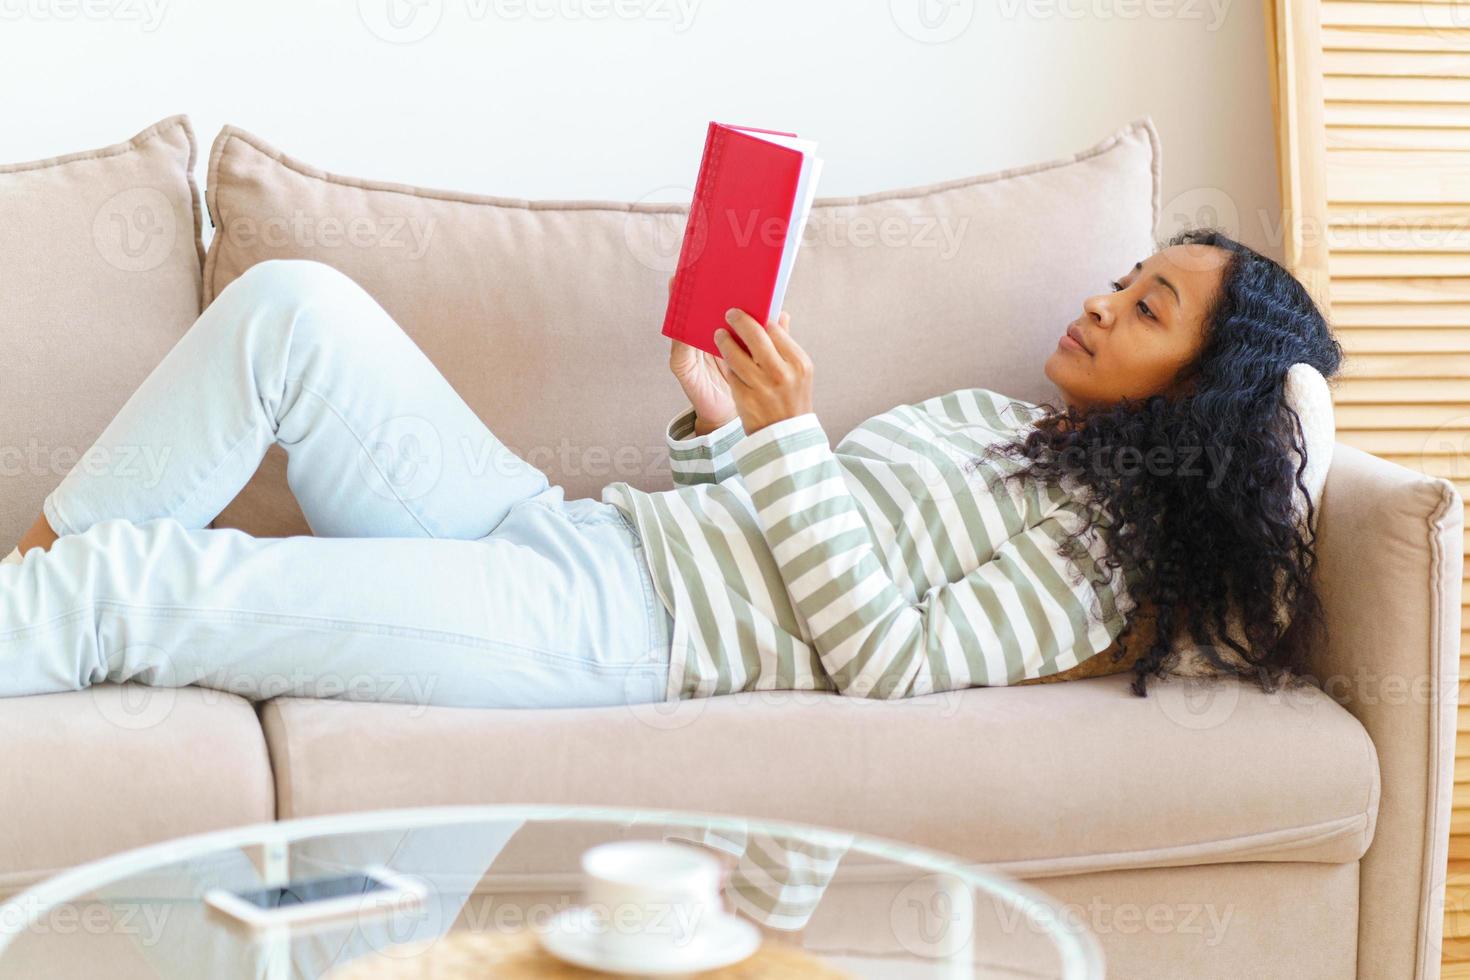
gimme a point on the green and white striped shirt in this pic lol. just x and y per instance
(776, 879)
(888, 567)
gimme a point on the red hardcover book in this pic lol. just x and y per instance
(751, 200)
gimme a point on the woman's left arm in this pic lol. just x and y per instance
(1023, 613)
(700, 458)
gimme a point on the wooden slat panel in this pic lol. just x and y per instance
(1360, 88)
(1404, 240)
(1373, 235)
(1407, 365)
(1454, 217)
(1456, 925)
(1404, 139)
(1428, 114)
(1437, 64)
(1361, 418)
(1369, 265)
(1456, 915)
(1437, 17)
(1365, 340)
(1458, 949)
(1294, 46)
(1410, 442)
(1400, 390)
(1439, 177)
(1400, 291)
(1400, 315)
(1392, 39)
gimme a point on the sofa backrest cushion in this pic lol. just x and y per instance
(100, 259)
(545, 315)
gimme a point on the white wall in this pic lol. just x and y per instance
(608, 98)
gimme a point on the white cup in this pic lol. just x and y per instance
(649, 896)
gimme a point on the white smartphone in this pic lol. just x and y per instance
(371, 891)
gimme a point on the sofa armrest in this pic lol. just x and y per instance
(1390, 552)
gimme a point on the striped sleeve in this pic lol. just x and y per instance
(701, 459)
(776, 880)
(1026, 612)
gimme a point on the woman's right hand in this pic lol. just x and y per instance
(708, 392)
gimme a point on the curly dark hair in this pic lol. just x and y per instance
(1199, 545)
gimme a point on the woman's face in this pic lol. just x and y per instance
(1136, 340)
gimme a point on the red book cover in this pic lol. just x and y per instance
(750, 203)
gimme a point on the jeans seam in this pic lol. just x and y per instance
(20, 632)
(202, 483)
(363, 447)
(653, 606)
(575, 521)
(329, 624)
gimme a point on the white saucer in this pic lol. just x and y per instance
(720, 941)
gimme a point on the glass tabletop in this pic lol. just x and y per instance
(851, 905)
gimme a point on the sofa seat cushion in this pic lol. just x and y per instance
(89, 773)
(1045, 780)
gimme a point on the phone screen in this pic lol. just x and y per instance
(315, 890)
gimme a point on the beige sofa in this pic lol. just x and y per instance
(1208, 830)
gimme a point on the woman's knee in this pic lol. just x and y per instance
(295, 281)
(309, 302)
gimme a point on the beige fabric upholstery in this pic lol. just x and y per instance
(101, 262)
(545, 315)
(1220, 922)
(1249, 921)
(1036, 780)
(1390, 545)
(93, 772)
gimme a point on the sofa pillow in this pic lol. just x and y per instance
(545, 315)
(100, 261)
(1306, 393)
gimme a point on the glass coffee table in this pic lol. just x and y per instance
(493, 881)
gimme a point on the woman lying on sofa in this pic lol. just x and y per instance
(967, 540)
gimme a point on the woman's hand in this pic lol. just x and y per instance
(703, 384)
(773, 381)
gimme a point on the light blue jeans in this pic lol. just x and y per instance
(445, 570)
